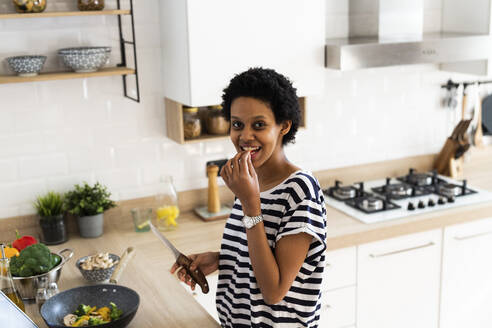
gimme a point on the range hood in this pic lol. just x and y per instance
(365, 52)
(391, 32)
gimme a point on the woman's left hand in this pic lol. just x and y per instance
(240, 176)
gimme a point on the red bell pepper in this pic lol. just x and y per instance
(22, 242)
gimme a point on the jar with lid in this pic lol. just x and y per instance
(85, 5)
(191, 122)
(6, 281)
(216, 122)
(167, 210)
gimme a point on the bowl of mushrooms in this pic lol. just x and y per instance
(97, 267)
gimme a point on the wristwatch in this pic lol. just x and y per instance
(250, 221)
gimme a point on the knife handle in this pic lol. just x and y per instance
(196, 275)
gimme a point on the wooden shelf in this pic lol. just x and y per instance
(65, 13)
(66, 75)
(174, 123)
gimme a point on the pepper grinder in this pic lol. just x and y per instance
(214, 210)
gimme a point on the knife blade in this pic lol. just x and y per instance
(197, 275)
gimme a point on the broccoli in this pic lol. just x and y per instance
(33, 260)
(96, 321)
(82, 310)
(115, 312)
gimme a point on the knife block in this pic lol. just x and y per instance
(213, 210)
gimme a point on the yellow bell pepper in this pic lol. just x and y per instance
(105, 313)
(10, 252)
(81, 320)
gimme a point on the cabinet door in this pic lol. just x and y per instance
(340, 269)
(205, 43)
(398, 282)
(467, 276)
(338, 308)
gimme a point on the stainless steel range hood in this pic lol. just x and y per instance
(364, 52)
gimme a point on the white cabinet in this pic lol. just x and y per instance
(338, 308)
(338, 288)
(467, 276)
(398, 282)
(205, 43)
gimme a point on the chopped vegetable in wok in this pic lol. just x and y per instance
(86, 315)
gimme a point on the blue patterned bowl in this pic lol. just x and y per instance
(100, 274)
(26, 65)
(85, 59)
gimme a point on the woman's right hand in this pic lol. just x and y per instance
(207, 262)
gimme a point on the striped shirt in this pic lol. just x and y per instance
(294, 206)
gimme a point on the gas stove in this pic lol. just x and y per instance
(394, 198)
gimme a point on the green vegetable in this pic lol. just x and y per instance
(33, 260)
(82, 309)
(115, 312)
(96, 321)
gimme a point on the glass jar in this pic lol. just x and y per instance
(29, 6)
(85, 5)
(167, 210)
(191, 122)
(6, 281)
(216, 122)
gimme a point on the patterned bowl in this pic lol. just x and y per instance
(26, 65)
(100, 274)
(85, 59)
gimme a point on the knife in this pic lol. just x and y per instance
(183, 261)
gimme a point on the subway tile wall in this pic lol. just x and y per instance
(58, 133)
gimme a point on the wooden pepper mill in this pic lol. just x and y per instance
(213, 210)
(213, 189)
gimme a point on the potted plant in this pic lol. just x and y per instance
(88, 204)
(51, 218)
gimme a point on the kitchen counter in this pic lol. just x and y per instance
(165, 302)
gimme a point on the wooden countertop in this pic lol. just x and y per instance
(165, 303)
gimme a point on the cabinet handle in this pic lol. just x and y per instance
(473, 236)
(402, 250)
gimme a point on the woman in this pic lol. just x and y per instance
(272, 254)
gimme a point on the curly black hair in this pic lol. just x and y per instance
(270, 87)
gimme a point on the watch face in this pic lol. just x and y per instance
(248, 223)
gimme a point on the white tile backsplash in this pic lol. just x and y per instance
(58, 133)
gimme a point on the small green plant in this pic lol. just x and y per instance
(86, 200)
(49, 205)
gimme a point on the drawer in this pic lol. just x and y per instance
(338, 308)
(340, 269)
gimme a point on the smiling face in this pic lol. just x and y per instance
(253, 128)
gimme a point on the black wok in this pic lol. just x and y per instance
(57, 307)
(67, 302)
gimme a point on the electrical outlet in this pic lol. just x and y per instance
(218, 162)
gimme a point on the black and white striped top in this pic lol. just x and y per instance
(296, 205)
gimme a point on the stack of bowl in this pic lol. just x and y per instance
(85, 59)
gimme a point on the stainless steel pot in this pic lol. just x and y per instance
(27, 286)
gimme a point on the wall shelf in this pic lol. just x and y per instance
(65, 75)
(65, 13)
(174, 123)
(121, 68)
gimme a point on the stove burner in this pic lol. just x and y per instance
(345, 192)
(420, 179)
(449, 190)
(401, 190)
(371, 204)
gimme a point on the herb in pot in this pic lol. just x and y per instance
(86, 200)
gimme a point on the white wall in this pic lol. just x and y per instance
(55, 134)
